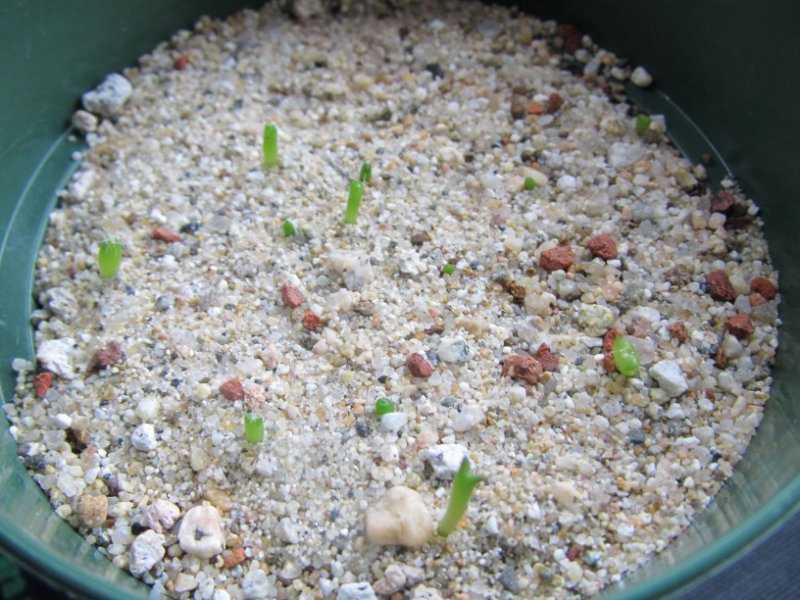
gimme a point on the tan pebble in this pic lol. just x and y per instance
(92, 510)
(184, 582)
(400, 518)
(237, 556)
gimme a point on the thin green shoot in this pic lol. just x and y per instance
(448, 269)
(642, 124)
(288, 228)
(253, 428)
(366, 173)
(464, 484)
(384, 406)
(529, 184)
(625, 357)
(270, 146)
(353, 202)
(109, 258)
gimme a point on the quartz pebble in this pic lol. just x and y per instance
(356, 591)
(453, 350)
(445, 459)
(200, 533)
(146, 550)
(670, 378)
(144, 438)
(108, 98)
(640, 77)
(57, 356)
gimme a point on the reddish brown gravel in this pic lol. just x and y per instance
(677, 330)
(546, 358)
(42, 382)
(603, 246)
(291, 296)
(518, 366)
(418, 366)
(232, 390)
(162, 234)
(739, 326)
(556, 259)
(719, 286)
(105, 357)
(763, 286)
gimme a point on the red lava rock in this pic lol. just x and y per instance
(722, 201)
(573, 552)
(678, 331)
(739, 326)
(42, 382)
(105, 357)
(232, 390)
(163, 234)
(603, 246)
(534, 108)
(554, 102)
(609, 363)
(236, 557)
(311, 321)
(181, 62)
(609, 337)
(546, 358)
(756, 299)
(291, 295)
(418, 366)
(719, 286)
(556, 258)
(763, 286)
(518, 366)
(571, 36)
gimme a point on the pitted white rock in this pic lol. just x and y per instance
(200, 533)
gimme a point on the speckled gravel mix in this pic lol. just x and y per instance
(131, 420)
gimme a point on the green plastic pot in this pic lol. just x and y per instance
(726, 79)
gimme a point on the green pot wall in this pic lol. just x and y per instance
(730, 66)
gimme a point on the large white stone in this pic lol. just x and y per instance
(200, 533)
(400, 518)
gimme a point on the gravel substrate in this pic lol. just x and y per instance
(131, 420)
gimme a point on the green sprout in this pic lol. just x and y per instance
(448, 269)
(463, 485)
(384, 406)
(253, 428)
(366, 173)
(109, 257)
(625, 357)
(288, 228)
(530, 183)
(353, 202)
(270, 146)
(642, 124)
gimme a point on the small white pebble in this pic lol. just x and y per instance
(669, 376)
(356, 591)
(400, 517)
(144, 438)
(640, 77)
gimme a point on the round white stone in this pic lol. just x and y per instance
(200, 533)
(144, 438)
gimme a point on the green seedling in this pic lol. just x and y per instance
(253, 428)
(642, 124)
(463, 485)
(288, 228)
(384, 406)
(448, 269)
(529, 184)
(270, 146)
(366, 173)
(353, 202)
(625, 357)
(109, 257)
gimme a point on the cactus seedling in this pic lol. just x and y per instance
(253, 428)
(642, 124)
(366, 173)
(270, 146)
(109, 257)
(625, 357)
(288, 228)
(384, 406)
(353, 202)
(463, 485)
